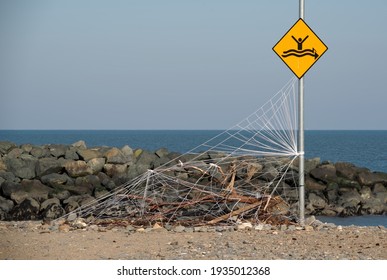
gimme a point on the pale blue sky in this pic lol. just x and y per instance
(179, 64)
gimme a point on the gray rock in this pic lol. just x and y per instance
(127, 151)
(55, 179)
(375, 206)
(71, 154)
(116, 156)
(38, 152)
(46, 166)
(77, 168)
(36, 189)
(27, 148)
(53, 211)
(9, 176)
(88, 154)
(72, 217)
(311, 184)
(71, 206)
(308, 165)
(96, 164)
(378, 188)
(5, 204)
(365, 194)
(162, 152)
(310, 220)
(179, 229)
(115, 169)
(325, 173)
(350, 201)
(9, 187)
(145, 161)
(57, 150)
(15, 153)
(347, 170)
(317, 201)
(28, 209)
(23, 167)
(60, 194)
(346, 185)
(45, 204)
(370, 179)
(5, 146)
(19, 196)
(79, 144)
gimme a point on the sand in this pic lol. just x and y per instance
(33, 240)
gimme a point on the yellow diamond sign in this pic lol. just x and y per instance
(300, 48)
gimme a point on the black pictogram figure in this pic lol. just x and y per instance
(300, 52)
(300, 42)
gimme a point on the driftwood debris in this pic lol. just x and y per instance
(202, 193)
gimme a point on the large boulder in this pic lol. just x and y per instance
(115, 169)
(39, 152)
(96, 164)
(57, 150)
(317, 201)
(311, 184)
(5, 204)
(127, 151)
(325, 173)
(30, 189)
(55, 179)
(367, 178)
(348, 170)
(5, 146)
(145, 161)
(71, 153)
(9, 176)
(88, 154)
(351, 202)
(77, 168)
(116, 156)
(49, 165)
(28, 209)
(23, 167)
(51, 209)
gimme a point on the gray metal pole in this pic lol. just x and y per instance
(301, 138)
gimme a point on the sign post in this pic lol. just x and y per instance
(301, 150)
(299, 49)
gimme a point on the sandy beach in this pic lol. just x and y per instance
(37, 241)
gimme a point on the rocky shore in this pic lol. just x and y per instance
(48, 181)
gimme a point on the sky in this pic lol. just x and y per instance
(179, 64)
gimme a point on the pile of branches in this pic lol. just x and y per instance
(198, 193)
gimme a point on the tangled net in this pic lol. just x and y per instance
(245, 173)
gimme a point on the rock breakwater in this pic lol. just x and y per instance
(48, 181)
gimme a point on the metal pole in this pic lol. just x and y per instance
(301, 138)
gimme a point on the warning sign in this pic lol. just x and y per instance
(300, 48)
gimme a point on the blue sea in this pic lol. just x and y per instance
(365, 148)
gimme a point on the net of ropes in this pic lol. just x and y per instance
(246, 173)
